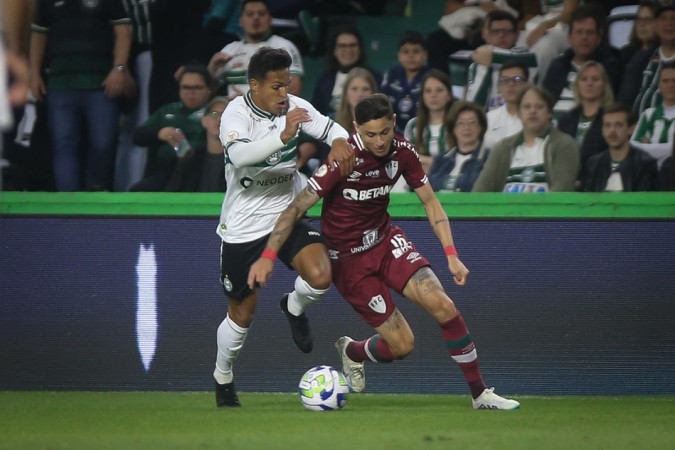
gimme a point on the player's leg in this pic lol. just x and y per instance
(424, 289)
(231, 335)
(306, 253)
(358, 280)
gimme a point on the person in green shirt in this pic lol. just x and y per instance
(174, 129)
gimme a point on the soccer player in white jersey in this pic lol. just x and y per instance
(259, 131)
(370, 255)
(231, 62)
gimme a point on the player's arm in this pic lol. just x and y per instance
(325, 129)
(261, 270)
(441, 226)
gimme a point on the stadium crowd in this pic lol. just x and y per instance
(125, 95)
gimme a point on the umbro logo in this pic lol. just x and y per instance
(354, 176)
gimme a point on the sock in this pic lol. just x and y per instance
(374, 349)
(230, 337)
(303, 296)
(462, 349)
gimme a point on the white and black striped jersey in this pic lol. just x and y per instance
(257, 193)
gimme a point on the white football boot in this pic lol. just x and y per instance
(489, 400)
(354, 371)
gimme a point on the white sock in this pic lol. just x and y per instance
(230, 339)
(303, 296)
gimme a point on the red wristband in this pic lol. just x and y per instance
(270, 254)
(450, 250)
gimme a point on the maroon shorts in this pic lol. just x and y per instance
(364, 279)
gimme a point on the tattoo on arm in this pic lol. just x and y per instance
(289, 217)
(426, 279)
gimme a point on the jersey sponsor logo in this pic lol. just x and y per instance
(391, 168)
(400, 245)
(273, 158)
(321, 171)
(378, 304)
(232, 135)
(247, 182)
(366, 194)
(373, 173)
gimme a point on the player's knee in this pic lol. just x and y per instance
(404, 346)
(319, 278)
(446, 310)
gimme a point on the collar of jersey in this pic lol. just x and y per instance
(257, 111)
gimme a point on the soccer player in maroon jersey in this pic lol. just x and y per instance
(369, 255)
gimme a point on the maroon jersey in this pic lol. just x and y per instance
(354, 214)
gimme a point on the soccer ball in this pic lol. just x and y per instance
(323, 388)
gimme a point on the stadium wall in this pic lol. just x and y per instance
(568, 294)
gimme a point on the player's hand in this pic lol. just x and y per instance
(294, 118)
(343, 154)
(458, 270)
(260, 272)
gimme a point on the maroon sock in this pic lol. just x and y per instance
(358, 351)
(462, 349)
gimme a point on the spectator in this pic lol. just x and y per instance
(130, 161)
(345, 51)
(83, 86)
(545, 33)
(174, 128)
(654, 131)
(504, 121)
(500, 31)
(14, 88)
(402, 82)
(203, 169)
(592, 93)
(458, 28)
(458, 169)
(538, 159)
(585, 38)
(640, 86)
(642, 35)
(426, 131)
(622, 167)
(232, 61)
(358, 84)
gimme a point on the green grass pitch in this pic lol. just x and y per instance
(161, 420)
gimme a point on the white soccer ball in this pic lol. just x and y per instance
(323, 388)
